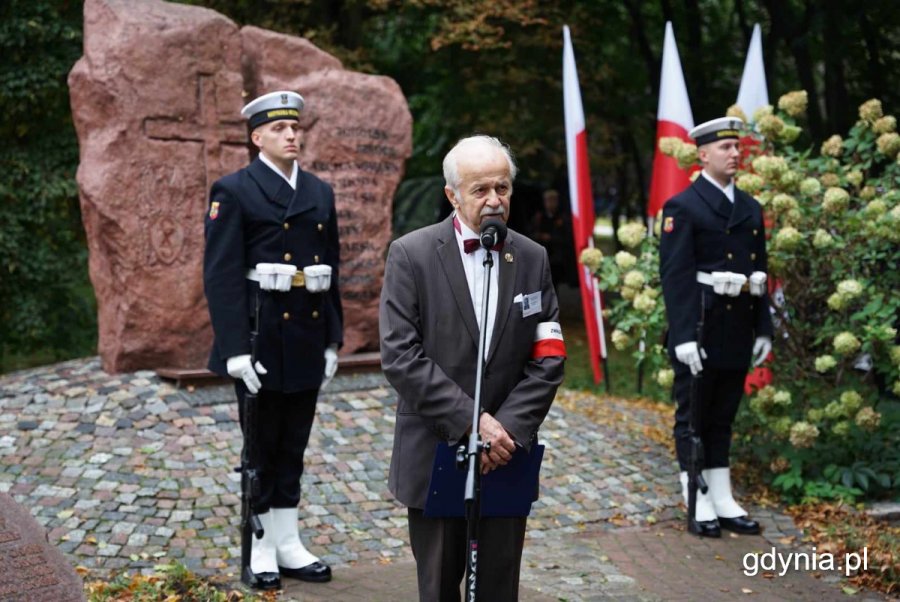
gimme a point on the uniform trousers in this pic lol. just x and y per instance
(439, 547)
(283, 424)
(720, 396)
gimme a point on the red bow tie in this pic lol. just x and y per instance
(470, 245)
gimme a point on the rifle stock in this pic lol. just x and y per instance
(696, 460)
(251, 526)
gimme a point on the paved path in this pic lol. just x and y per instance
(126, 471)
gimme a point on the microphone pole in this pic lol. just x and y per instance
(493, 232)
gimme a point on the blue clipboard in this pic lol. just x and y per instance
(507, 491)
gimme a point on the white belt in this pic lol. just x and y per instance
(707, 279)
(702, 278)
(298, 280)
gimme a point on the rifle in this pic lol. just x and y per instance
(250, 485)
(695, 459)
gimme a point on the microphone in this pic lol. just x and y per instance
(493, 232)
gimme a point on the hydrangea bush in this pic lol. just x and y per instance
(828, 426)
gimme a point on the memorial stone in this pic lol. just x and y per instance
(154, 100)
(33, 570)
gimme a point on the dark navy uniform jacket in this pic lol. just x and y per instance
(255, 217)
(703, 231)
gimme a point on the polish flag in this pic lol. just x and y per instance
(753, 93)
(582, 201)
(673, 119)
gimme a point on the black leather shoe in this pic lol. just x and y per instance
(317, 572)
(705, 528)
(261, 581)
(740, 524)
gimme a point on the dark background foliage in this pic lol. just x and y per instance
(465, 66)
(46, 303)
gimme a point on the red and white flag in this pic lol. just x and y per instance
(582, 201)
(753, 93)
(673, 119)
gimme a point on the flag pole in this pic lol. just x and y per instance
(582, 205)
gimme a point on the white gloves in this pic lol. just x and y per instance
(318, 278)
(331, 362)
(689, 353)
(240, 367)
(275, 276)
(761, 348)
(728, 283)
(758, 284)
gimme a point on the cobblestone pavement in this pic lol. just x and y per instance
(126, 471)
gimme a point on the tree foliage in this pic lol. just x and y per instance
(470, 66)
(46, 306)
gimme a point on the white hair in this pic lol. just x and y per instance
(451, 171)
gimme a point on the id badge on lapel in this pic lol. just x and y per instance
(531, 303)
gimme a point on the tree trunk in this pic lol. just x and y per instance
(785, 26)
(836, 98)
(872, 40)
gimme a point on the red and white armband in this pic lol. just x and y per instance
(548, 341)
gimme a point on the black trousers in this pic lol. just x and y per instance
(720, 396)
(283, 424)
(439, 547)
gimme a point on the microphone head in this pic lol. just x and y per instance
(493, 232)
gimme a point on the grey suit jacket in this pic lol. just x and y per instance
(429, 344)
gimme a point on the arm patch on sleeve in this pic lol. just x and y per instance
(548, 341)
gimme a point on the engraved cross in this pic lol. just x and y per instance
(205, 128)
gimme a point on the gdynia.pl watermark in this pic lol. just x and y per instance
(782, 562)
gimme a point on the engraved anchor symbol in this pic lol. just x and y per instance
(167, 239)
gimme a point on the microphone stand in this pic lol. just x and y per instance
(472, 454)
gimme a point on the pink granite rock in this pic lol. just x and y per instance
(34, 570)
(156, 100)
(284, 57)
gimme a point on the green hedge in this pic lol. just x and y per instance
(46, 302)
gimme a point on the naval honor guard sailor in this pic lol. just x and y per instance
(272, 236)
(713, 255)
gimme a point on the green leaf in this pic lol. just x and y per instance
(847, 478)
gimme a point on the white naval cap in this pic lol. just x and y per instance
(282, 104)
(717, 129)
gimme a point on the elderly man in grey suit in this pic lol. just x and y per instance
(429, 320)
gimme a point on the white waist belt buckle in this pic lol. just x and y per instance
(729, 284)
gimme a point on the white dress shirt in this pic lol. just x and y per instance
(474, 268)
(292, 180)
(727, 190)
